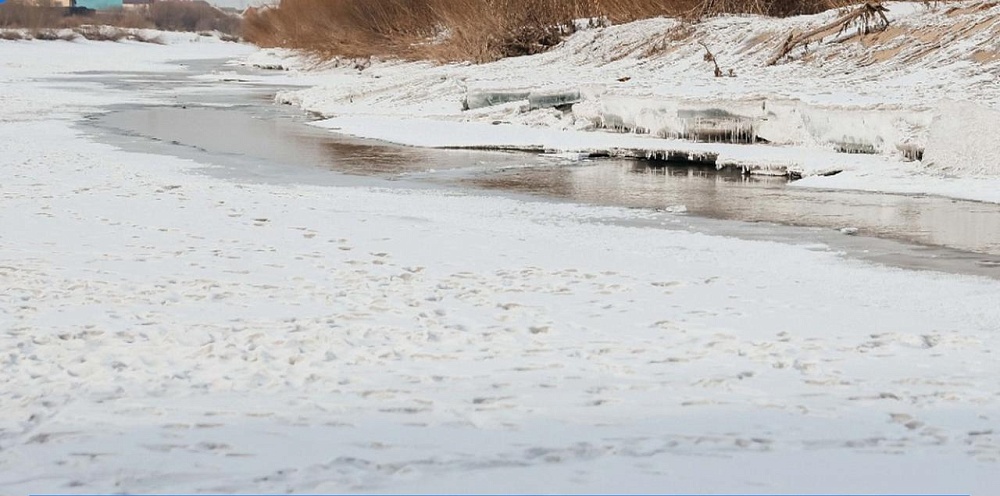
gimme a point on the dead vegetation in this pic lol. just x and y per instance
(865, 18)
(20, 14)
(43, 19)
(53, 35)
(92, 33)
(710, 57)
(96, 33)
(475, 30)
(192, 16)
(667, 42)
(882, 40)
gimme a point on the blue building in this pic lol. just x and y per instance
(100, 4)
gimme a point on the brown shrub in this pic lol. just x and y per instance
(192, 16)
(52, 35)
(478, 30)
(165, 15)
(25, 14)
(136, 19)
(774, 8)
(96, 33)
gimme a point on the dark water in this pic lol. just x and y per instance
(279, 137)
(252, 137)
(928, 220)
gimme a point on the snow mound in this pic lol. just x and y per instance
(964, 140)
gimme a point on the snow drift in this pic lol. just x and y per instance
(964, 140)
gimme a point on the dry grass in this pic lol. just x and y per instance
(52, 35)
(476, 30)
(97, 33)
(135, 19)
(192, 16)
(19, 14)
(165, 15)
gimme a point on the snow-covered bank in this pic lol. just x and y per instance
(25, 78)
(450, 134)
(878, 95)
(165, 331)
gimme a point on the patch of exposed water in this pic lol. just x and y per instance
(254, 136)
(252, 139)
(924, 220)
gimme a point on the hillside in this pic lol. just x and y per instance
(852, 102)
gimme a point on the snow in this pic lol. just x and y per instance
(910, 179)
(22, 71)
(876, 94)
(450, 134)
(964, 140)
(166, 331)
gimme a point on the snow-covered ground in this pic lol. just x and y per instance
(937, 66)
(167, 331)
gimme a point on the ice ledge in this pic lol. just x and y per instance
(887, 131)
(794, 161)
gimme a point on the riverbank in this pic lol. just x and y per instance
(852, 111)
(171, 331)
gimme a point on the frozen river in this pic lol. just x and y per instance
(249, 137)
(203, 294)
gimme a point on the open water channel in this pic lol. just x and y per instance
(243, 135)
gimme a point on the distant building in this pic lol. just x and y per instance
(136, 4)
(100, 4)
(51, 3)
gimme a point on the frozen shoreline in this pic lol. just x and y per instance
(880, 95)
(173, 332)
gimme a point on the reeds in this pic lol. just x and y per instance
(475, 30)
(165, 15)
(191, 16)
(21, 14)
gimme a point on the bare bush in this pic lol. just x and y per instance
(478, 30)
(98, 33)
(134, 19)
(865, 18)
(166, 15)
(774, 8)
(192, 16)
(52, 35)
(45, 34)
(30, 15)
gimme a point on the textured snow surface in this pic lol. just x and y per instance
(873, 94)
(165, 331)
(965, 140)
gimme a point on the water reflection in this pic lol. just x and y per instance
(705, 192)
(281, 138)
